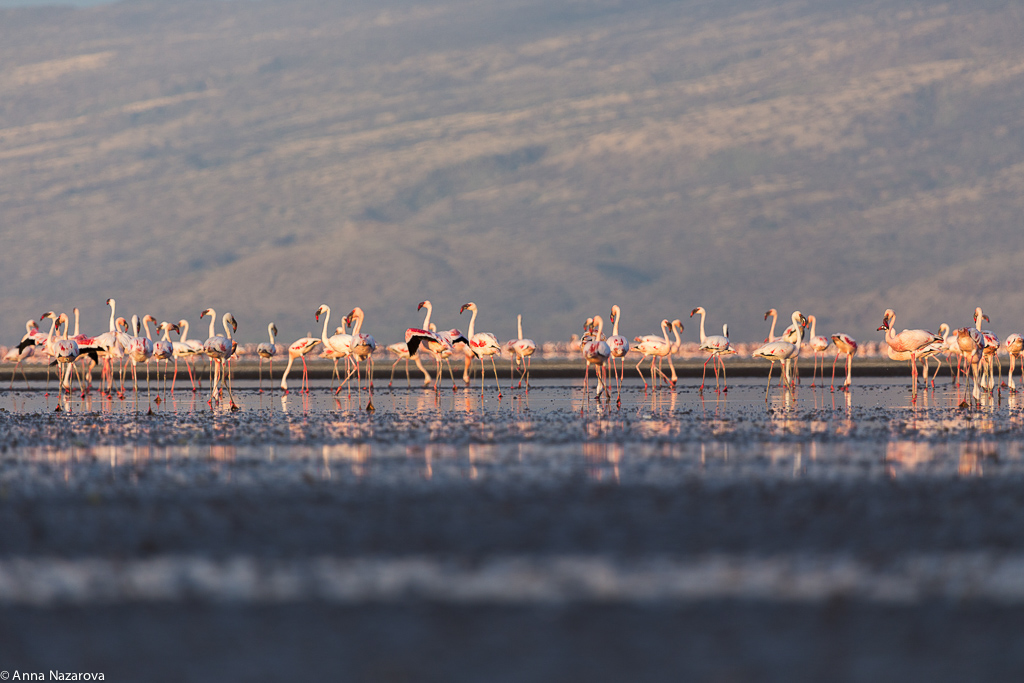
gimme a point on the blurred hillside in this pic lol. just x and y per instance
(542, 158)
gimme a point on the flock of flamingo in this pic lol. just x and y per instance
(974, 349)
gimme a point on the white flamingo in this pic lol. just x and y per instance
(1015, 347)
(819, 345)
(716, 345)
(783, 351)
(656, 348)
(363, 346)
(219, 349)
(618, 344)
(338, 345)
(185, 349)
(521, 350)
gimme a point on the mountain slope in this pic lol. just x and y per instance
(550, 160)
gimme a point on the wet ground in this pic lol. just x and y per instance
(814, 535)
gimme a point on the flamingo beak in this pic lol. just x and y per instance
(985, 318)
(420, 305)
(765, 315)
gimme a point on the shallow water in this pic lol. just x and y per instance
(555, 431)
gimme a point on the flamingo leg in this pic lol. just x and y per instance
(705, 372)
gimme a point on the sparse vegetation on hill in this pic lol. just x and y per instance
(540, 158)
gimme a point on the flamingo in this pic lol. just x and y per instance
(185, 349)
(111, 348)
(657, 348)
(788, 334)
(65, 352)
(439, 344)
(618, 344)
(819, 345)
(596, 352)
(844, 344)
(783, 351)
(933, 351)
(299, 349)
(1015, 347)
(363, 346)
(338, 345)
(163, 349)
(717, 345)
(401, 350)
(219, 349)
(972, 347)
(26, 348)
(482, 344)
(522, 349)
(911, 341)
(267, 351)
(139, 350)
(990, 349)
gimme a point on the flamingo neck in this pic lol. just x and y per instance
(799, 331)
(704, 336)
(599, 323)
(814, 325)
(270, 331)
(145, 324)
(472, 322)
(327, 317)
(227, 327)
(519, 324)
(615, 323)
(76, 322)
(183, 324)
(113, 327)
(357, 326)
(664, 330)
(426, 319)
(771, 332)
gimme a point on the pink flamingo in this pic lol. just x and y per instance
(848, 345)
(438, 344)
(299, 349)
(910, 341)
(26, 348)
(337, 346)
(401, 350)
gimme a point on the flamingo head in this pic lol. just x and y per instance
(423, 304)
(678, 323)
(172, 326)
(121, 322)
(208, 311)
(319, 312)
(48, 314)
(273, 329)
(470, 306)
(110, 302)
(148, 318)
(613, 314)
(233, 323)
(700, 309)
(347, 320)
